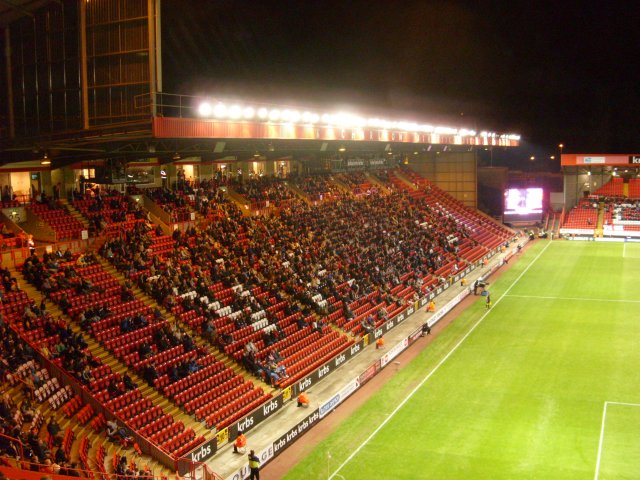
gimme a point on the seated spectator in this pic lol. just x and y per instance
(240, 443)
(303, 400)
(128, 382)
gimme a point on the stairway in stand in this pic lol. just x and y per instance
(107, 358)
(74, 212)
(198, 340)
(95, 438)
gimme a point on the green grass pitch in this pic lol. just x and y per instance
(515, 393)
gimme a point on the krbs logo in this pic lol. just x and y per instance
(323, 371)
(340, 359)
(245, 424)
(304, 384)
(355, 349)
(270, 407)
(201, 454)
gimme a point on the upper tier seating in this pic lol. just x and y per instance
(58, 218)
(613, 188)
(634, 188)
(89, 294)
(109, 210)
(583, 216)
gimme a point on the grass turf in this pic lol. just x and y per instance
(523, 394)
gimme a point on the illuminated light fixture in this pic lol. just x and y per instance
(339, 119)
(342, 148)
(176, 156)
(552, 157)
(291, 116)
(415, 153)
(256, 155)
(445, 148)
(274, 115)
(45, 160)
(248, 112)
(235, 112)
(295, 116)
(220, 110)
(310, 117)
(589, 173)
(389, 153)
(204, 109)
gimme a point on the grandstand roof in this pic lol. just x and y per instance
(11, 10)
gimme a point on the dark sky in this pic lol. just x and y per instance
(559, 71)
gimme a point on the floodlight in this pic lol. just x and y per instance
(235, 111)
(274, 114)
(248, 112)
(220, 110)
(204, 109)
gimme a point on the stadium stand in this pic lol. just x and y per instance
(58, 218)
(278, 295)
(582, 216)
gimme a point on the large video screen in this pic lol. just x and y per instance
(522, 205)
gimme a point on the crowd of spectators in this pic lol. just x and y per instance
(67, 348)
(317, 187)
(260, 189)
(21, 444)
(174, 202)
(294, 256)
(106, 207)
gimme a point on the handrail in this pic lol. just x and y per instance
(30, 387)
(13, 439)
(27, 465)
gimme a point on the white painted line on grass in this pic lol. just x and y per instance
(625, 404)
(604, 419)
(601, 441)
(435, 369)
(580, 299)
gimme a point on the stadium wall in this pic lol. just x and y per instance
(454, 172)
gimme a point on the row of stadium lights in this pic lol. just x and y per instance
(345, 120)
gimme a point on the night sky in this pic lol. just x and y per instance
(555, 72)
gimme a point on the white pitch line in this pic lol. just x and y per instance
(604, 419)
(435, 369)
(580, 299)
(625, 404)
